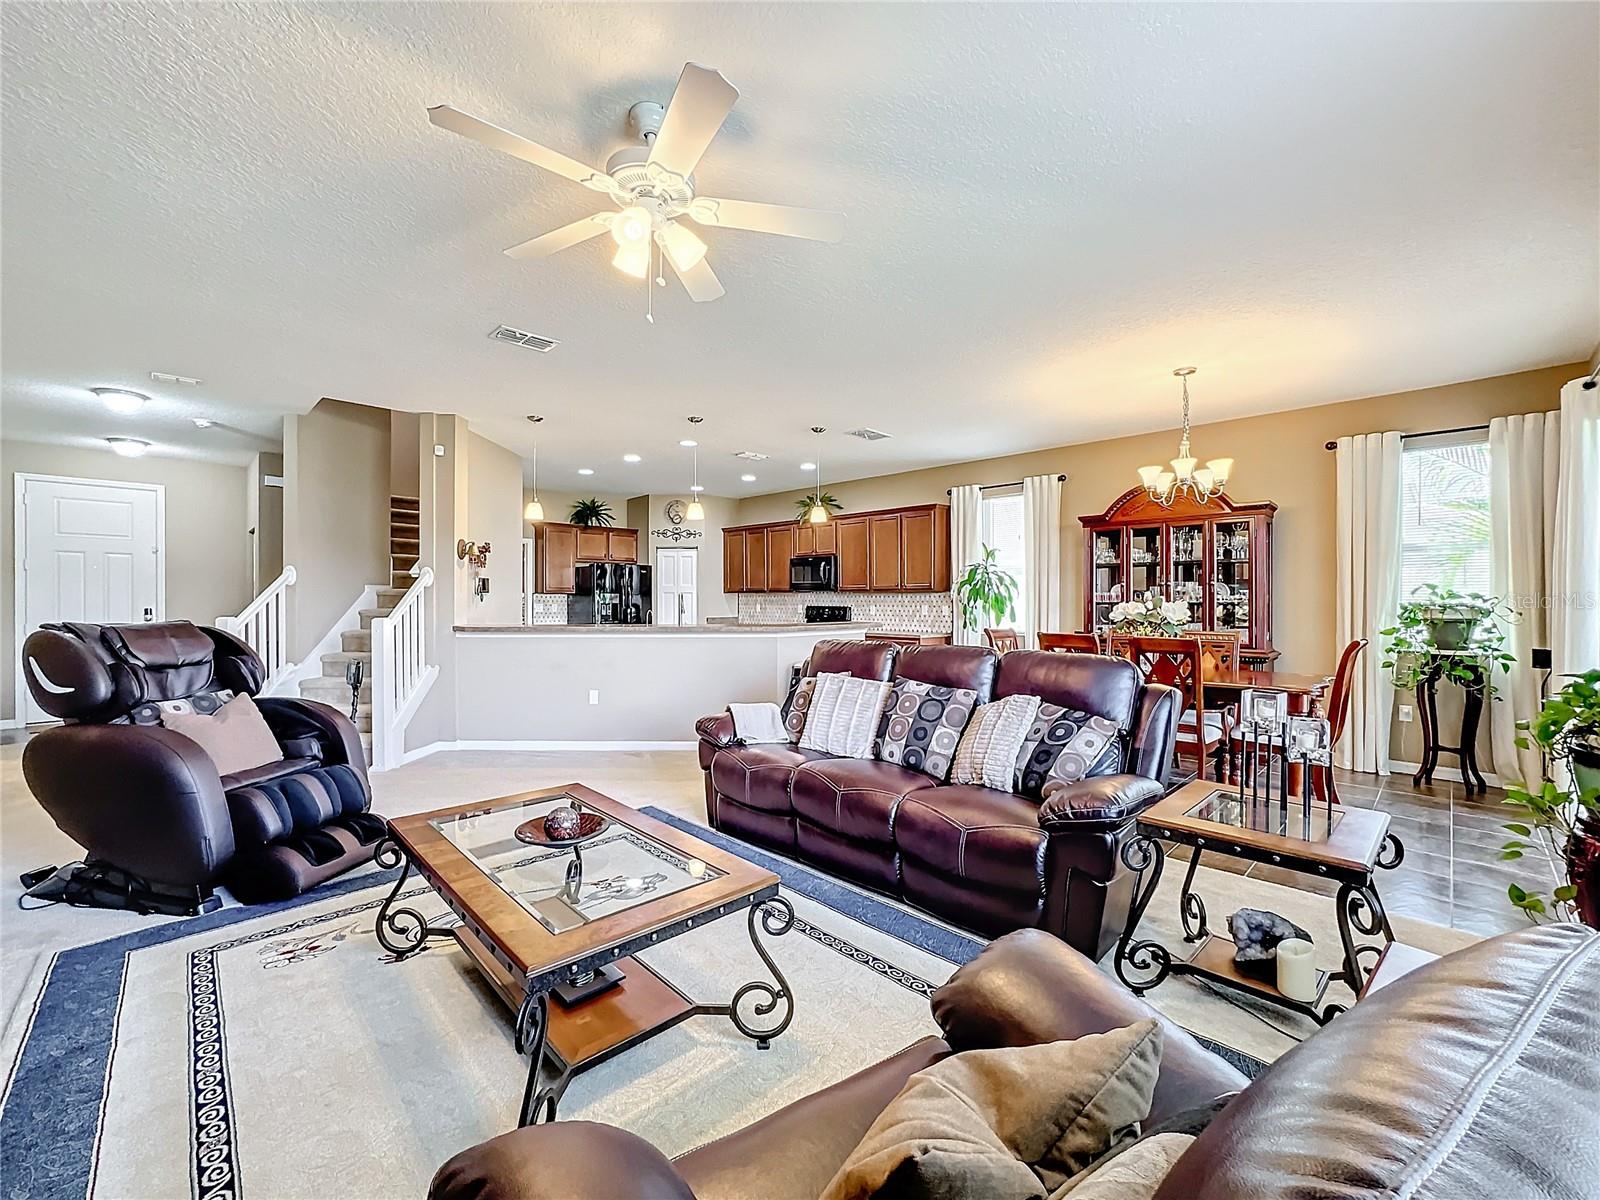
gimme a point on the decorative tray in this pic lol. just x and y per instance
(589, 824)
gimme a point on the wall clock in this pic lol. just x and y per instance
(675, 510)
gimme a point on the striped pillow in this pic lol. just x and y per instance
(987, 754)
(844, 715)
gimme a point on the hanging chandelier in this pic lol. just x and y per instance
(1185, 477)
(696, 511)
(534, 511)
(818, 513)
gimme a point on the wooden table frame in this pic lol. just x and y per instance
(1360, 843)
(525, 962)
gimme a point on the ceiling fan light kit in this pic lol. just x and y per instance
(652, 186)
(1186, 477)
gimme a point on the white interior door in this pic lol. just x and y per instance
(677, 572)
(89, 551)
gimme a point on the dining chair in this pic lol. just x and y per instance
(1322, 782)
(1219, 652)
(1178, 662)
(1071, 643)
(1002, 641)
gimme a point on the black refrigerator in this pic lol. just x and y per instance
(610, 594)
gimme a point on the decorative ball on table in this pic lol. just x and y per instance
(561, 823)
(1256, 934)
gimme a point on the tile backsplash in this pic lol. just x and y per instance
(900, 612)
(549, 610)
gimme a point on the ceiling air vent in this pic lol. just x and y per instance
(869, 435)
(752, 455)
(521, 337)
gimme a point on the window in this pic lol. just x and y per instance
(1001, 531)
(1444, 520)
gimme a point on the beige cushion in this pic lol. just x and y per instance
(987, 754)
(235, 736)
(1135, 1174)
(844, 715)
(1009, 1124)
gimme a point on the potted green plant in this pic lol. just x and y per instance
(592, 511)
(810, 500)
(1434, 627)
(987, 593)
(1564, 822)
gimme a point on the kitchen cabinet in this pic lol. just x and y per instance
(733, 560)
(603, 544)
(622, 545)
(883, 553)
(816, 539)
(558, 557)
(851, 533)
(925, 549)
(781, 543)
(755, 560)
(593, 545)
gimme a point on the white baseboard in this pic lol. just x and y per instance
(444, 747)
(1453, 774)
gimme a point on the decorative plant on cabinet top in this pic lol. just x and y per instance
(591, 512)
(987, 594)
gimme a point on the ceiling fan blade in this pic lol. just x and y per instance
(557, 240)
(517, 146)
(701, 282)
(697, 110)
(812, 223)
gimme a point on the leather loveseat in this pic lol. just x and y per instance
(149, 801)
(983, 859)
(1477, 1075)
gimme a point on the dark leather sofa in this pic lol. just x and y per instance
(983, 859)
(1475, 1076)
(149, 801)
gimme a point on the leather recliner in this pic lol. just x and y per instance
(983, 859)
(149, 801)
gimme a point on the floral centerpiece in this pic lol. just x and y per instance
(1150, 616)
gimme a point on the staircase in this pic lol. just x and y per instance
(356, 644)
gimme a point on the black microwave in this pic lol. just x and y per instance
(814, 573)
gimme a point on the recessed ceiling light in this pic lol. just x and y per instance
(585, 470)
(120, 400)
(686, 443)
(696, 488)
(748, 478)
(203, 423)
(630, 458)
(128, 447)
(808, 466)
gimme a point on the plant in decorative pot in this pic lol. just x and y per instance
(592, 511)
(988, 594)
(810, 500)
(1433, 629)
(1565, 822)
(1150, 616)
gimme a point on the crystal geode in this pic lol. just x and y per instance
(1256, 934)
(561, 823)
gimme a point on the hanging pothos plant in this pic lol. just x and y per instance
(1452, 634)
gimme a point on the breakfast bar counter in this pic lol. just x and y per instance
(848, 629)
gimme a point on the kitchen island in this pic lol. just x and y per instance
(619, 686)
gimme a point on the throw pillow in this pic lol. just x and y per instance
(236, 736)
(798, 703)
(1014, 1123)
(922, 726)
(987, 753)
(1135, 1174)
(844, 715)
(1067, 745)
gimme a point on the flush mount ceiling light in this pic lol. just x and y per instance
(747, 478)
(696, 511)
(630, 458)
(585, 470)
(687, 443)
(1201, 483)
(128, 447)
(534, 511)
(120, 400)
(818, 515)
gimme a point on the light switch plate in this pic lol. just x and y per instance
(438, 449)
(594, 696)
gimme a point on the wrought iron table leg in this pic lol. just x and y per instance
(1141, 964)
(1191, 907)
(1359, 906)
(548, 1073)
(776, 918)
(401, 931)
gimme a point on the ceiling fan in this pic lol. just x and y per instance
(652, 185)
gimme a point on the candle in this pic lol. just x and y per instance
(1297, 973)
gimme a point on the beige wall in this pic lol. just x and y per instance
(405, 464)
(721, 511)
(208, 549)
(1278, 457)
(558, 505)
(264, 515)
(335, 512)
(494, 515)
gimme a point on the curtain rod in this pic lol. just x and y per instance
(1405, 437)
(989, 487)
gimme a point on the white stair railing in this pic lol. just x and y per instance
(401, 673)
(264, 627)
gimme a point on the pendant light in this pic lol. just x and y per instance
(1201, 483)
(535, 510)
(818, 515)
(696, 511)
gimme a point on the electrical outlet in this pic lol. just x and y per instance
(1404, 712)
(594, 696)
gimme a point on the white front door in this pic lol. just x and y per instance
(90, 551)
(676, 574)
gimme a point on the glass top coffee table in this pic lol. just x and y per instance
(554, 927)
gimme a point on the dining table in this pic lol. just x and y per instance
(1221, 686)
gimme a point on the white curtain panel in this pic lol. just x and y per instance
(1524, 465)
(1575, 559)
(1041, 548)
(1367, 587)
(966, 536)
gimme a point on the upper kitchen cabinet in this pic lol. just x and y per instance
(733, 561)
(891, 550)
(925, 549)
(816, 539)
(557, 546)
(755, 560)
(851, 535)
(883, 553)
(782, 545)
(601, 544)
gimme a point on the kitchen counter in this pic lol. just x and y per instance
(819, 629)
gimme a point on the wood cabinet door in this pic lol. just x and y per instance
(781, 543)
(917, 551)
(851, 537)
(594, 545)
(755, 560)
(622, 545)
(826, 538)
(733, 560)
(558, 559)
(805, 538)
(883, 548)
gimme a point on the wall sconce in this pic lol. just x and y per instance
(475, 553)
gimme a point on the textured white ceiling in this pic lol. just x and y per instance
(1050, 207)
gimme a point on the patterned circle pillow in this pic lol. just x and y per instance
(1066, 745)
(798, 703)
(922, 726)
